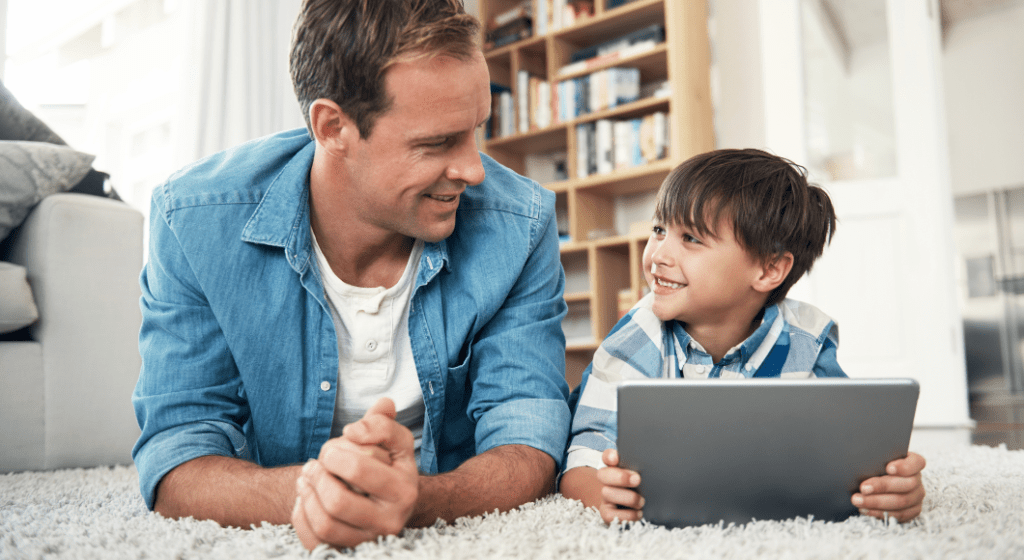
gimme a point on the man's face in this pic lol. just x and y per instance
(408, 175)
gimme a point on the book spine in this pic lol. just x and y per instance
(604, 141)
(523, 100)
(582, 140)
(636, 158)
(507, 114)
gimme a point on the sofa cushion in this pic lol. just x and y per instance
(18, 123)
(17, 307)
(30, 171)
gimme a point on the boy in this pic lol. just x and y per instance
(733, 231)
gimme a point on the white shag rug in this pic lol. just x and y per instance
(974, 509)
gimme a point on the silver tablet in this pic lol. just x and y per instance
(738, 450)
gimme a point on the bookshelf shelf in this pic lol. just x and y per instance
(665, 44)
(608, 24)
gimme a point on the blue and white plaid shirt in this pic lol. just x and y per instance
(795, 340)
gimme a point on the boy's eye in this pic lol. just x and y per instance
(658, 230)
(690, 239)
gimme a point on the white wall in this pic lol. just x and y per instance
(736, 81)
(983, 63)
(3, 36)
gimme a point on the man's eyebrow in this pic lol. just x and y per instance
(445, 135)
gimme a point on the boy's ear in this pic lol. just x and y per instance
(774, 272)
(332, 128)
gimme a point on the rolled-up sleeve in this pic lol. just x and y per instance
(519, 390)
(188, 400)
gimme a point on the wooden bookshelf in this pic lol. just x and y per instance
(598, 268)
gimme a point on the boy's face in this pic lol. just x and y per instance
(701, 279)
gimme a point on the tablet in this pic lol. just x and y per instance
(739, 450)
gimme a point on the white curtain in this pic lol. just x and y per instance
(236, 85)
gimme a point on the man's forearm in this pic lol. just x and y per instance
(230, 491)
(502, 478)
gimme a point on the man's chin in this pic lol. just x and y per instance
(436, 234)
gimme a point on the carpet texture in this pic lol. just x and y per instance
(974, 509)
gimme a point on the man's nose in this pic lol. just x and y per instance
(467, 166)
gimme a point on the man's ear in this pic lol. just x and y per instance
(332, 128)
(774, 272)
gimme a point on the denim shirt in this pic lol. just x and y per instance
(239, 352)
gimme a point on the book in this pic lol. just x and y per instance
(519, 28)
(607, 58)
(496, 126)
(654, 33)
(586, 163)
(604, 146)
(660, 88)
(522, 10)
(523, 101)
(661, 138)
(507, 114)
(544, 113)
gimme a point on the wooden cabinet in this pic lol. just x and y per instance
(602, 258)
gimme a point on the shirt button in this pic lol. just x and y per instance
(748, 367)
(700, 369)
(371, 345)
(325, 386)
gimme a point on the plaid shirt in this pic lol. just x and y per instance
(795, 340)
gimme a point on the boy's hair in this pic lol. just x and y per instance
(341, 49)
(772, 207)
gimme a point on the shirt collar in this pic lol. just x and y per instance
(746, 349)
(282, 217)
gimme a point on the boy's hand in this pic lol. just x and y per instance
(618, 497)
(898, 494)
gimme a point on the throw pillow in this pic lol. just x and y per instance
(30, 171)
(17, 123)
(17, 307)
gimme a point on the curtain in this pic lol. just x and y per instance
(236, 85)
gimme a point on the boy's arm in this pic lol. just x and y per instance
(581, 484)
(611, 490)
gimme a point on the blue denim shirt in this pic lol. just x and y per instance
(239, 351)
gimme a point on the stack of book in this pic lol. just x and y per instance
(630, 44)
(510, 26)
(534, 102)
(607, 145)
(600, 90)
(552, 15)
(502, 120)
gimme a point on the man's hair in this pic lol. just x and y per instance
(772, 207)
(341, 49)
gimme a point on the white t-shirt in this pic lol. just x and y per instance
(374, 351)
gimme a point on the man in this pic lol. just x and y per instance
(380, 298)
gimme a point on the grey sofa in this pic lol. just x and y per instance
(65, 389)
